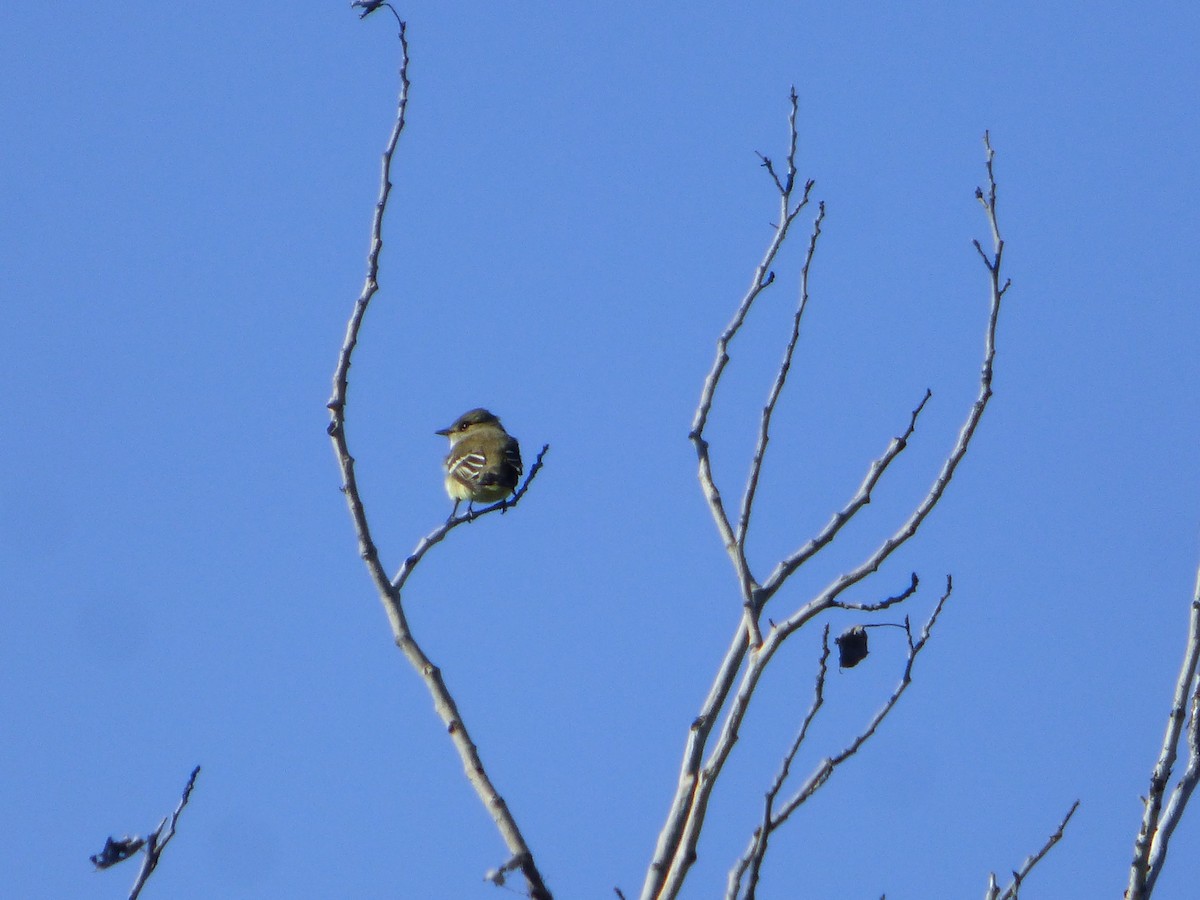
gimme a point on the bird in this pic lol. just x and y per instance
(484, 463)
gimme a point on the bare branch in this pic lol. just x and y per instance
(828, 597)
(669, 838)
(153, 844)
(748, 632)
(389, 592)
(764, 428)
(827, 767)
(676, 848)
(157, 842)
(752, 858)
(1014, 887)
(438, 534)
(860, 499)
(913, 581)
(729, 735)
(1158, 823)
(789, 565)
(942, 481)
(762, 278)
(751, 861)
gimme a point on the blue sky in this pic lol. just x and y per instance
(185, 197)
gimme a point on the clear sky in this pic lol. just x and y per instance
(185, 195)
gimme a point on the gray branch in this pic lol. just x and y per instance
(389, 590)
(152, 845)
(750, 651)
(764, 277)
(1012, 892)
(1159, 820)
(750, 864)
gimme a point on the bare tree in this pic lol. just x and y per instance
(1163, 812)
(752, 649)
(714, 731)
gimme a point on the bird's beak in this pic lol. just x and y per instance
(444, 432)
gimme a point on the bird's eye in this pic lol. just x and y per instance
(464, 426)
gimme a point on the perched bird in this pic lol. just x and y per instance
(484, 464)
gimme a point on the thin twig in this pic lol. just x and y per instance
(389, 592)
(438, 534)
(1014, 887)
(729, 735)
(913, 582)
(153, 844)
(1158, 823)
(753, 857)
(157, 842)
(763, 277)
(827, 767)
(861, 498)
(906, 531)
(764, 427)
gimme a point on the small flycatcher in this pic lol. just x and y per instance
(484, 464)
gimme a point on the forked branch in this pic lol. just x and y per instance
(764, 426)
(1162, 812)
(152, 845)
(676, 847)
(1013, 890)
(749, 866)
(763, 277)
(389, 590)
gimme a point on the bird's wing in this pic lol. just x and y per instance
(466, 468)
(512, 456)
